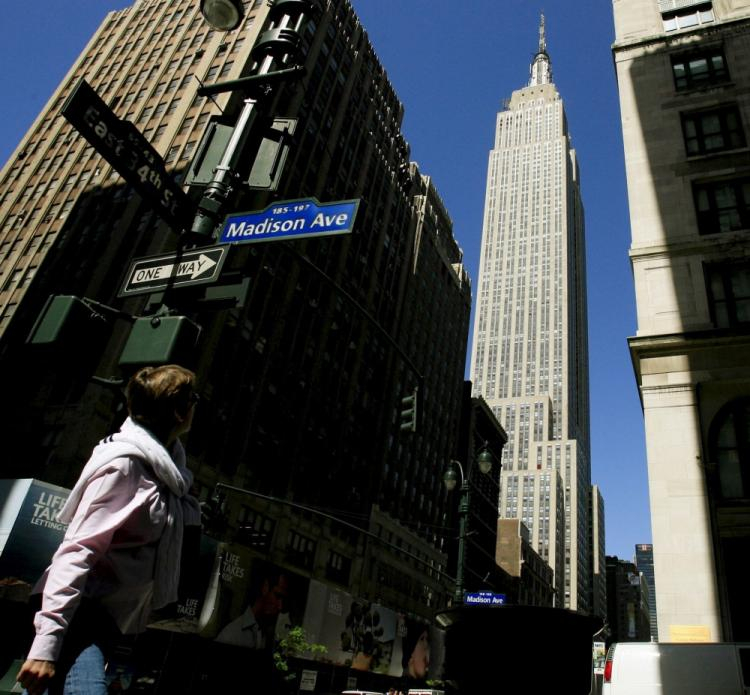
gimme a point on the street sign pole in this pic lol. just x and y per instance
(282, 41)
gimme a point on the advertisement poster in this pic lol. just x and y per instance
(367, 636)
(420, 649)
(250, 603)
(356, 633)
(196, 565)
(29, 530)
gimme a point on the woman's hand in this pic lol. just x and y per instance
(35, 675)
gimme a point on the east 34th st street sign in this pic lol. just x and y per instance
(154, 273)
(290, 219)
(128, 151)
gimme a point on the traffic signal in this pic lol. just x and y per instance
(67, 319)
(160, 340)
(409, 412)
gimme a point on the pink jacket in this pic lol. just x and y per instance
(123, 542)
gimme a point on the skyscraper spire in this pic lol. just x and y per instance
(542, 37)
(541, 68)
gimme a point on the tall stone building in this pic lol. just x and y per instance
(683, 70)
(529, 355)
(306, 347)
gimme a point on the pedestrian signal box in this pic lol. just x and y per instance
(65, 318)
(160, 340)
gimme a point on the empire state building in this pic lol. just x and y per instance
(530, 353)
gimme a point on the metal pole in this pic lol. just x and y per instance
(218, 191)
(463, 514)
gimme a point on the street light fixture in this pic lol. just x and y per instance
(223, 15)
(450, 479)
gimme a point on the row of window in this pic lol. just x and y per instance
(256, 530)
(721, 206)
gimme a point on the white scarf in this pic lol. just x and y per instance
(136, 441)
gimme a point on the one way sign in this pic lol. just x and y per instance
(193, 267)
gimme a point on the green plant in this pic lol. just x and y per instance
(295, 643)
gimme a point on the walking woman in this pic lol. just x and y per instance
(120, 558)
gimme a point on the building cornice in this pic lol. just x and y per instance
(666, 345)
(622, 49)
(723, 245)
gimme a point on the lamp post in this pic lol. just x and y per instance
(277, 47)
(450, 479)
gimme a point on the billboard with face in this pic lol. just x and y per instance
(251, 602)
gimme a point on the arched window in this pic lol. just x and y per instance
(731, 450)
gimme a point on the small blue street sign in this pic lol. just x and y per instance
(290, 219)
(485, 598)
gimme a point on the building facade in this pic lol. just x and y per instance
(533, 578)
(683, 71)
(529, 357)
(305, 350)
(598, 601)
(479, 432)
(644, 562)
(627, 602)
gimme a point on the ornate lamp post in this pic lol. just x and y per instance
(450, 479)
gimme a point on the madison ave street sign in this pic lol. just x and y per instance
(290, 219)
(125, 148)
(154, 273)
(484, 598)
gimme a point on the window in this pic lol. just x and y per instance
(688, 17)
(300, 549)
(255, 529)
(729, 293)
(159, 132)
(186, 125)
(722, 206)
(172, 154)
(338, 568)
(713, 130)
(189, 147)
(731, 450)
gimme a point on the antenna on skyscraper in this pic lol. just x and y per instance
(542, 37)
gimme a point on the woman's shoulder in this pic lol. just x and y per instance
(127, 470)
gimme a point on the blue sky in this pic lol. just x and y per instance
(452, 64)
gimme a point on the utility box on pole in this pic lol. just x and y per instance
(66, 318)
(157, 340)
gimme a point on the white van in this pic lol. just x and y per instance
(650, 668)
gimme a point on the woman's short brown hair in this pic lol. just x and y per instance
(156, 393)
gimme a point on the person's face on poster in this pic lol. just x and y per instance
(419, 662)
(272, 599)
